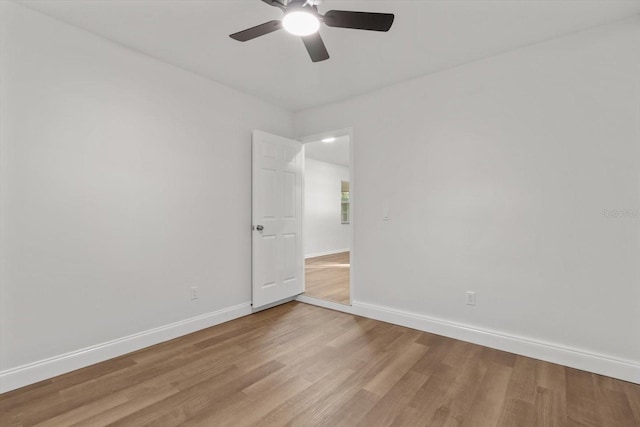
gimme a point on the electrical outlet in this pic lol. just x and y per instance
(194, 293)
(471, 298)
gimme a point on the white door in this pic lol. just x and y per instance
(277, 258)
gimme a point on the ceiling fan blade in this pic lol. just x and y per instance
(257, 31)
(359, 20)
(316, 48)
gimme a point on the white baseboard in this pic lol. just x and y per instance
(14, 378)
(21, 376)
(562, 355)
(331, 252)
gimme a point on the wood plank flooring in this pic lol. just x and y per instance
(327, 277)
(301, 365)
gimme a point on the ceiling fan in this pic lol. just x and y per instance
(301, 18)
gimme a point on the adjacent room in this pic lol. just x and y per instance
(331, 213)
(327, 219)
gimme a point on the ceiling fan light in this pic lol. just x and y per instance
(300, 23)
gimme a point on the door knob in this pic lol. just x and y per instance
(259, 227)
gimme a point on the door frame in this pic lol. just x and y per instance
(317, 137)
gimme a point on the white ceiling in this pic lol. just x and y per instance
(335, 152)
(427, 36)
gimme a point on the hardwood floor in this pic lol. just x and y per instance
(327, 277)
(302, 365)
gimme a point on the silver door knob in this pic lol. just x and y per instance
(259, 227)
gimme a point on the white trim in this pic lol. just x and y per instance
(576, 358)
(21, 376)
(353, 207)
(326, 304)
(324, 253)
(319, 136)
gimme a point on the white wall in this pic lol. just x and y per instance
(125, 181)
(497, 174)
(323, 231)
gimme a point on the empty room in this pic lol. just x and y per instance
(320, 213)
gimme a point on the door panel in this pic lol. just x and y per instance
(278, 261)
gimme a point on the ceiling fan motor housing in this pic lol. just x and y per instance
(301, 5)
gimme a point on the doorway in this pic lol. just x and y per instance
(328, 217)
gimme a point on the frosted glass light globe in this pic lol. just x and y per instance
(300, 23)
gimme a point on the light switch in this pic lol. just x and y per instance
(385, 214)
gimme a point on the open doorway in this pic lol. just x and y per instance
(328, 218)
